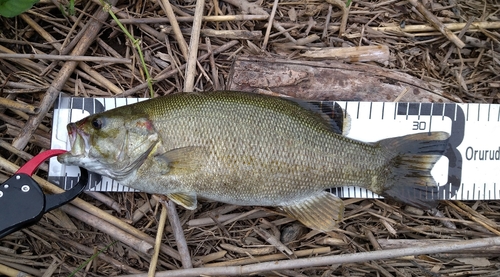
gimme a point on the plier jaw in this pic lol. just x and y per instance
(22, 201)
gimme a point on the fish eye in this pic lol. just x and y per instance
(97, 123)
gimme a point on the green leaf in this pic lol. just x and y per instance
(10, 8)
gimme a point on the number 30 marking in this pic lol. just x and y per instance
(419, 125)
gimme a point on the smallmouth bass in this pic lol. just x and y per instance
(249, 149)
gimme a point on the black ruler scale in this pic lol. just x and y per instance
(465, 172)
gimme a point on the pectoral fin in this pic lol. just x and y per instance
(189, 158)
(320, 212)
(187, 200)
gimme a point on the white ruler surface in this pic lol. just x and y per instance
(467, 171)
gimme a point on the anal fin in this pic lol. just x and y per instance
(320, 212)
(187, 200)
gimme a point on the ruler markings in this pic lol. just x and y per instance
(430, 117)
(478, 111)
(407, 110)
(489, 111)
(474, 191)
(383, 110)
(370, 115)
(456, 110)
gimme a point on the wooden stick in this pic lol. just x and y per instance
(215, 73)
(175, 223)
(272, 257)
(8, 271)
(108, 201)
(377, 53)
(23, 42)
(274, 240)
(25, 156)
(159, 235)
(142, 210)
(434, 21)
(175, 26)
(32, 66)
(93, 28)
(345, 14)
(65, 58)
(200, 260)
(327, 21)
(427, 28)
(35, 138)
(193, 47)
(14, 105)
(99, 78)
(269, 24)
(113, 231)
(212, 18)
(207, 221)
(40, 30)
(254, 251)
(232, 34)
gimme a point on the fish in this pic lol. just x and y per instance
(249, 149)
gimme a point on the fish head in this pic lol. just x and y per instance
(112, 144)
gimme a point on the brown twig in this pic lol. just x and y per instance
(64, 58)
(14, 105)
(217, 18)
(193, 47)
(159, 235)
(345, 14)
(104, 226)
(449, 26)
(179, 235)
(175, 26)
(269, 24)
(7, 271)
(434, 21)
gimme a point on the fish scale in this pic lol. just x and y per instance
(249, 149)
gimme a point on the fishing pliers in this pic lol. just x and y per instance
(22, 201)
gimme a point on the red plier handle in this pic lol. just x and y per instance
(22, 200)
(29, 167)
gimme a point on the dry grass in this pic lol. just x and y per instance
(218, 234)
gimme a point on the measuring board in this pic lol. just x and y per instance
(467, 170)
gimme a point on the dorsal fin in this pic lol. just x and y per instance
(331, 113)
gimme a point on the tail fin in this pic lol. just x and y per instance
(411, 159)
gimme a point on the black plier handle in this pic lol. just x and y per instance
(22, 201)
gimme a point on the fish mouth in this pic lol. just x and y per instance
(79, 142)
